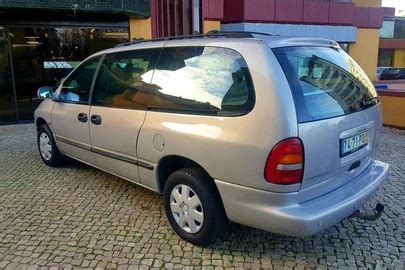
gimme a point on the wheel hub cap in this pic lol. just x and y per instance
(186, 208)
(45, 146)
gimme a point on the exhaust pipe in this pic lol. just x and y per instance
(379, 209)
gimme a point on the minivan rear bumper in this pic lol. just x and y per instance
(281, 212)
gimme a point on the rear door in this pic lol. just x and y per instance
(338, 113)
(118, 109)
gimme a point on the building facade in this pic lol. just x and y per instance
(41, 41)
(392, 42)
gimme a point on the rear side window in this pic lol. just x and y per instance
(121, 83)
(202, 80)
(326, 82)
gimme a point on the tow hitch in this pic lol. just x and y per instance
(379, 209)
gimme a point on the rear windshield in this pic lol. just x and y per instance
(325, 81)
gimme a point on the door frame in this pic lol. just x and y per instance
(8, 50)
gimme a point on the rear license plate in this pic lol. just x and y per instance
(352, 144)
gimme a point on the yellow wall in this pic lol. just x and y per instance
(368, 3)
(399, 58)
(365, 50)
(140, 28)
(393, 111)
(211, 25)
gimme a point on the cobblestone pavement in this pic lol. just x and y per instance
(77, 216)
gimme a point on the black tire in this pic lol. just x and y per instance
(56, 157)
(215, 222)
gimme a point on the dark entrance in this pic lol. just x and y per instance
(42, 56)
(8, 106)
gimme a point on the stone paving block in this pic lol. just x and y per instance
(78, 217)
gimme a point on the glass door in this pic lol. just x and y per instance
(8, 112)
(42, 56)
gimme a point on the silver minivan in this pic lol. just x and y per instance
(276, 133)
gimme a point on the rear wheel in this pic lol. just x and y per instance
(47, 147)
(193, 206)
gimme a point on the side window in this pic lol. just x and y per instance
(124, 79)
(203, 80)
(76, 88)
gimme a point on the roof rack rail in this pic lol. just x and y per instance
(248, 33)
(210, 34)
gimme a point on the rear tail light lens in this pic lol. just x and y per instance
(285, 164)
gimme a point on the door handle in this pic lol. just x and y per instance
(96, 119)
(82, 117)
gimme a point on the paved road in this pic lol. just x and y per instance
(77, 216)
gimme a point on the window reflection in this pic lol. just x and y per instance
(202, 78)
(76, 88)
(326, 82)
(43, 56)
(120, 82)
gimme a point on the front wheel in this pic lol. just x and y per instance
(47, 147)
(193, 206)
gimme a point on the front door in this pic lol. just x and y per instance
(8, 112)
(118, 110)
(70, 115)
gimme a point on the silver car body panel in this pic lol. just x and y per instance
(114, 142)
(244, 142)
(44, 110)
(234, 150)
(72, 135)
(324, 169)
(283, 213)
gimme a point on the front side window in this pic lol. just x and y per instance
(326, 82)
(202, 80)
(76, 88)
(121, 82)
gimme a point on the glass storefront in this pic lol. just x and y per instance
(42, 57)
(8, 112)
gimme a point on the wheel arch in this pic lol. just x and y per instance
(40, 121)
(171, 163)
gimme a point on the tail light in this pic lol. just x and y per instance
(285, 164)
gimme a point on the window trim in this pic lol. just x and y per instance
(95, 78)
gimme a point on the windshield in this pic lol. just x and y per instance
(325, 81)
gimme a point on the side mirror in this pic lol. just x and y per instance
(45, 92)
